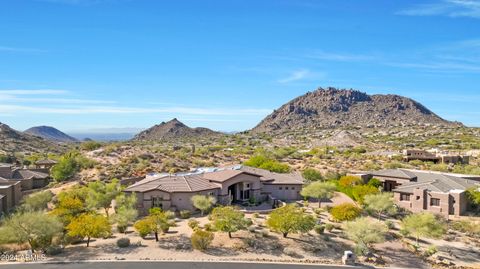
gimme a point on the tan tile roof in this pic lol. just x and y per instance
(174, 183)
(222, 175)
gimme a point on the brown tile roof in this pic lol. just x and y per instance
(174, 183)
(270, 177)
(221, 175)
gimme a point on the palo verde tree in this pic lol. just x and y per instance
(423, 224)
(157, 221)
(364, 232)
(290, 219)
(228, 219)
(36, 201)
(70, 204)
(380, 203)
(203, 202)
(319, 190)
(101, 194)
(125, 211)
(89, 225)
(35, 228)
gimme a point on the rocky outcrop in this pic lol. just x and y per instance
(173, 129)
(335, 108)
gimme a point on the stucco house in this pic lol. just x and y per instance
(440, 193)
(29, 178)
(233, 184)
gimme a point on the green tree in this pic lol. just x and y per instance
(263, 162)
(365, 232)
(66, 167)
(203, 202)
(319, 190)
(380, 203)
(311, 175)
(35, 228)
(228, 219)
(157, 221)
(360, 191)
(290, 219)
(474, 195)
(423, 224)
(70, 204)
(36, 201)
(89, 225)
(125, 211)
(101, 194)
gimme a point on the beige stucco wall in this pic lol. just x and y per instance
(255, 186)
(13, 194)
(283, 191)
(420, 201)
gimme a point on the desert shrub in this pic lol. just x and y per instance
(465, 226)
(185, 214)
(311, 174)
(329, 227)
(193, 224)
(423, 224)
(431, 250)
(53, 250)
(345, 212)
(123, 242)
(390, 224)
(292, 252)
(143, 227)
(263, 162)
(319, 229)
(374, 182)
(350, 181)
(208, 227)
(201, 240)
(360, 191)
(90, 145)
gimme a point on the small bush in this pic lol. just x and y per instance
(430, 251)
(319, 229)
(123, 242)
(374, 182)
(185, 214)
(208, 227)
(53, 250)
(359, 192)
(390, 224)
(345, 212)
(292, 252)
(122, 228)
(193, 224)
(329, 227)
(201, 240)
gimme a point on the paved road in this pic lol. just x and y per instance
(168, 265)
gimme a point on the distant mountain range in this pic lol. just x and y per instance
(173, 129)
(50, 133)
(321, 109)
(13, 141)
(339, 108)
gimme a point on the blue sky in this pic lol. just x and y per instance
(94, 64)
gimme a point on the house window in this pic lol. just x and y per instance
(435, 202)
(280, 188)
(286, 188)
(157, 202)
(293, 188)
(211, 193)
(404, 197)
(418, 197)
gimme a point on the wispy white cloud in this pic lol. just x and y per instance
(296, 75)
(33, 92)
(78, 110)
(450, 8)
(339, 57)
(16, 49)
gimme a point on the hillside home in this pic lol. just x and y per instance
(435, 157)
(229, 185)
(10, 195)
(415, 190)
(29, 178)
